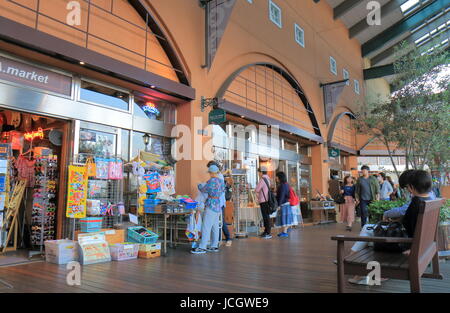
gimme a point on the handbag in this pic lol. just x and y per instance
(390, 229)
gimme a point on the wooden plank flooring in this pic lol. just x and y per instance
(301, 263)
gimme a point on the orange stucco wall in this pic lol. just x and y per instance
(249, 38)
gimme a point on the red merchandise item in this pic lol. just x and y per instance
(25, 169)
(293, 199)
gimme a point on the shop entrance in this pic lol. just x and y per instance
(33, 159)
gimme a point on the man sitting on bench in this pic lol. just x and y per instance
(418, 183)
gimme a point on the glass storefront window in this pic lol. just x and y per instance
(94, 93)
(157, 145)
(97, 143)
(155, 110)
(304, 150)
(293, 177)
(291, 146)
(125, 144)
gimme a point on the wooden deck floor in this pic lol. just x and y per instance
(301, 263)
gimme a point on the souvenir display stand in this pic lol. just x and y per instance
(44, 202)
(101, 205)
(157, 207)
(324, 207)
(240, 200)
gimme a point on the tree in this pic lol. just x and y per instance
(416, 118)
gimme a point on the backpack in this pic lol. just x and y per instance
(228, 192)
(293, 198)
(390, 229)
(272, 201)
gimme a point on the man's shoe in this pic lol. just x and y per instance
(213, 249)
(198, 251)
(267, 236)
(283, 235)
(228, 244)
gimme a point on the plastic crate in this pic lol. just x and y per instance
(149, 247)
(91, 224)
(134, 236)
(190, 205)
(124, 251)
(149, 254)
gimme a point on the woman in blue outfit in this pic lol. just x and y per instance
(215, 187)
(285, 217)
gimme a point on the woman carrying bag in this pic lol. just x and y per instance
(285, 217)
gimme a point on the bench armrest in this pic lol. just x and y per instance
(372, 239)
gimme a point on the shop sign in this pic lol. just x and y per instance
(34, 134)
(334, 153)
(32, 76)
(217, 116)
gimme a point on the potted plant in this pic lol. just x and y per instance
(444, 228)
(377, 209)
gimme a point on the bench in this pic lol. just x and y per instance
(410, 267)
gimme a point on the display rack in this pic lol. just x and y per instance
(109, 192)
(44, 202)
(240, 201)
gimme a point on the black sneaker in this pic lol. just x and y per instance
(198, 251)
(213, 249)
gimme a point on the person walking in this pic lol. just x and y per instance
(367, 189)
(285, 216)
(385, 187)
(262, 193)
(210, 224)
(348, 208)
(223, 203)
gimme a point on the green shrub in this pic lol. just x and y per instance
(377, 208)
(444, 215)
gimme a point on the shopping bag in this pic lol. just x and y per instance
(91, 170)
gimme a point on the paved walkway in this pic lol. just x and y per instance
(301, 263)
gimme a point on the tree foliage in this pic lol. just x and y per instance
(416, 118)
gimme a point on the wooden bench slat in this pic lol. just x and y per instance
(386, 259)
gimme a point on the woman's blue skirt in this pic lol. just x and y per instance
(285, 216)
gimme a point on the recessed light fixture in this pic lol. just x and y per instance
(153, 86)
(82, 63)
(242, 116)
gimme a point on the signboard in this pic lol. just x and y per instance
(334, 153)
(331, 94)
(77, 192)
(217, 116)
(32, 76)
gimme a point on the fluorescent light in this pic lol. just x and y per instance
(408, 5)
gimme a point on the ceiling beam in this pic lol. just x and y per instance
(410, 40)
(386, 9)
(344, 7)
(407, 24)
(379, 71)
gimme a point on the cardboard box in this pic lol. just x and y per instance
(112, 236)
(61, 251)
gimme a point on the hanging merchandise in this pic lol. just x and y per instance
(77, 192)
(115, 169)
(25, 169)
(91, 167)
(168, 184)
(153, 182)
(93, 207)
(102, 168)
(97, 189)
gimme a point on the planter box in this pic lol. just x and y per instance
(443, 236)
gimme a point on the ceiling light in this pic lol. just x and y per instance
(82, 63)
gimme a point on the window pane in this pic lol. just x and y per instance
(97, 143)
(155, 110)
(103, 95)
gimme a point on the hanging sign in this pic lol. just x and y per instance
(334, 153)
(217, 116)
(77, 192)
(331, 94)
